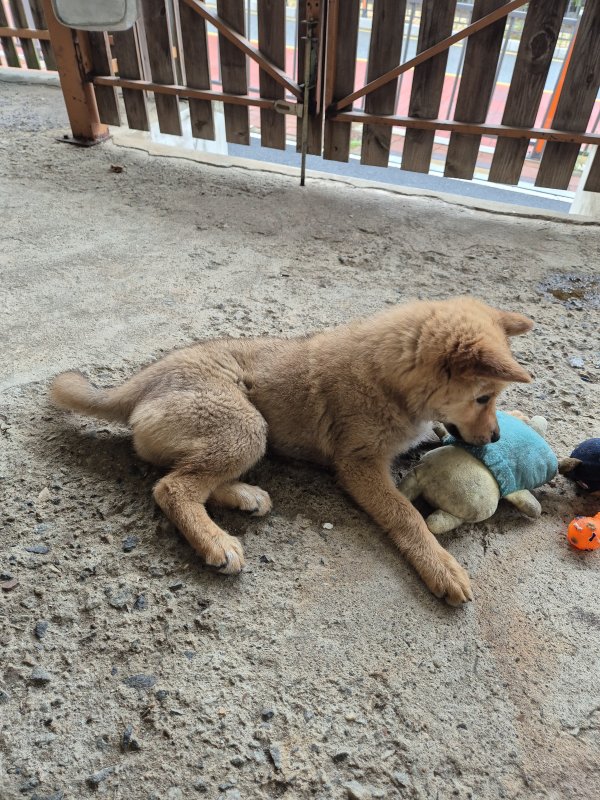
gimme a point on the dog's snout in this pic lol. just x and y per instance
(496, 435)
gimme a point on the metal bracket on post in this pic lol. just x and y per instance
(283, 107)
(74, 64)
(311, 22)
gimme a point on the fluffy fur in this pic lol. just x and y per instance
(351, 398)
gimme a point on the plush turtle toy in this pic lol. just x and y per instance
(465, 482)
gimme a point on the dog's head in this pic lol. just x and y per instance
(474, 363)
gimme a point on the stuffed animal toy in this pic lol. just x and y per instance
(584, 465)
(465, 482)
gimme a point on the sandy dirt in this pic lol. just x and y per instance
(127, 669)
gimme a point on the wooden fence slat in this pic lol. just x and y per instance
(39, 20)
(315, 120)
(18, 12)
(385, 50)
(428, 82)
(593, 179)
(476, 87)
(337, 134)
(160, 54)
(234, 72)
(197, 72)
(271, 42)
(106, 97)
(536, 48)
(126, 48)
(8, 45)
(576, 100)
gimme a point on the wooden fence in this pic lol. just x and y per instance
(203, 52)
(24, 36)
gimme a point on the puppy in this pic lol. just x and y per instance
(350, 398)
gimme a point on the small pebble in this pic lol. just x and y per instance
(56, 796)
(44, 495)
(237, 761)
(96, 779)
(40, 676)
(4, 697)
(39, 549)
(140, 681)
(201, 786)
(118, 598)
(130, 543)
(356, 791)
(161, 694)
(29, 784)
(327, 526)
(275, 754)
(40, 628)
(140, 603)
(401, 779)
(128, 740)
(267, 713)
(176, 586)
(341, 756)
(576, 362)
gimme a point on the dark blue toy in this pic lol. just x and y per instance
(584, 465)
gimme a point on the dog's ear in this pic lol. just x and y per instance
(514, 324)
(491, 362)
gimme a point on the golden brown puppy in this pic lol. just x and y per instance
(351, 398)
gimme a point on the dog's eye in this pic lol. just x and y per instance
(485, 398)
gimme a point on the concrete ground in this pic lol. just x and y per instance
(326, 670)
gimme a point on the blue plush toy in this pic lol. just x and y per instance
(465, 482)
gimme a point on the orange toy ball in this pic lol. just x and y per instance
(584, 533)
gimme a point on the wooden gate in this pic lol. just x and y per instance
(315, 94)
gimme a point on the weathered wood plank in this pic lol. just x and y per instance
(576, 100)
(106, 97)
(18, 12)
(195, 59)
(384, 54)
(592, 183)
(234, 72)
(8, 45)
(160, 54)
(39, 19)
(271, 42)
(476, 87)
(538, 40)
(428, 82)
(315, 121)
(127, 51)
(337, 134)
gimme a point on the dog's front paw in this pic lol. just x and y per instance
(226, 554)
(447, 579)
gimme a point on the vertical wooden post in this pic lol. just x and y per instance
(71, 52)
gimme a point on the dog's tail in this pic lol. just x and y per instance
(73, 391)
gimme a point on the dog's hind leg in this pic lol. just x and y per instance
(242, 496)
(210, 438)
(182, 495)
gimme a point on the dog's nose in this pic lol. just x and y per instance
(495, 435)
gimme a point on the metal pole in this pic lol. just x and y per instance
(308, 46)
